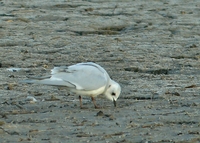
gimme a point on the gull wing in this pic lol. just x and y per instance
(83, 76)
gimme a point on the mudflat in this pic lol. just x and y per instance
(150, 47)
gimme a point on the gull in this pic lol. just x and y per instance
(87, 79)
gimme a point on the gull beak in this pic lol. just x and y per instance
(115, 104)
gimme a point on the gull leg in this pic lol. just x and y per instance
(94, 102)
(80, 100)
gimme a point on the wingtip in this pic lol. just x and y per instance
(27, 81)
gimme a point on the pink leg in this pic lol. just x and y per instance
(94, 102)
(80, 100)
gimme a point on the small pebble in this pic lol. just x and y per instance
(100, 113)
(31, 99)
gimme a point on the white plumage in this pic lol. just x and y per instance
(88, 79)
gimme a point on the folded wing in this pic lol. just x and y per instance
(80, 76)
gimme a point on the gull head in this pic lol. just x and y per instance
(113, 91)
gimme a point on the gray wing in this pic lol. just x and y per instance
(80, 76)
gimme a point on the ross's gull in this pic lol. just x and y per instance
(88, 79)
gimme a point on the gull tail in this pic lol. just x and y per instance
(47, 80)
(37, 80)
(28, 81)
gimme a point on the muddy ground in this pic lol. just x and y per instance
(150, 47)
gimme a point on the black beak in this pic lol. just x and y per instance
(115, 104)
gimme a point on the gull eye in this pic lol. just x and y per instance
(113, 94)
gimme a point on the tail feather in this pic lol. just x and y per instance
(49, 82)
(37, 80)
(40, 78)
(28, 81)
